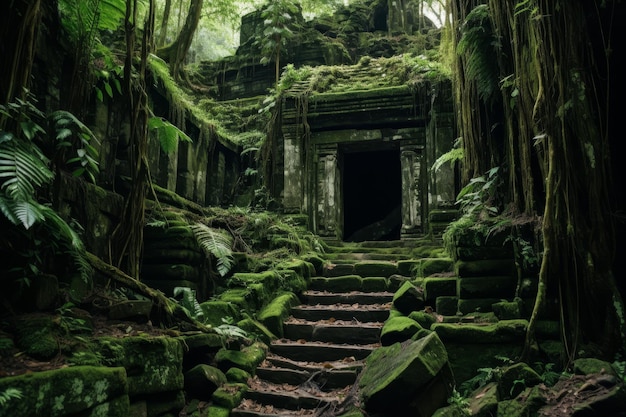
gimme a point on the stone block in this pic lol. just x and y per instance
(408, 298)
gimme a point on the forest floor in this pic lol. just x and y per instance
(564, 399)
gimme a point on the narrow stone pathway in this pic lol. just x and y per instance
(313, 368)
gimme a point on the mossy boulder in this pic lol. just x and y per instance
(273, 314)
(203, 380)
(154, 364)
(256, 328)
(514, 379)
(408, 298)
(423, 318)
(237, 375)
(78, 390)
(398, 329)
(292, 281)
(38, 337)
(395, 375)
(217, 312)
(229, 395)
(247, 358)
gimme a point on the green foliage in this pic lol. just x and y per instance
(460, 402)
(454, 155)
(482, 378)
(167, 134)
(478, 197)
(479, 45)
(72, 133)
(217, 243)
(8, 394)
(24, 170)
(187, 300)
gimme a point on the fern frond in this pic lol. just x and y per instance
(23, 168)
(215, 242)
(189, 302)
(478, 44)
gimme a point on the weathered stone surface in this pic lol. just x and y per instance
(484, 267)
(504, 331)
(202, 380)
(248, 358)
(398, 329)
(515, 378)
(273, 314)
(408, 298)
(430, 266)
(229, 395)
(494, 286)
(395, 374)
(216, 312)
(438, 286)
(375, 269)
(337, 284)
(79, 390)
(154, 364)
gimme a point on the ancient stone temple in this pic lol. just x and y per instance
(357, 139)
(359, 163)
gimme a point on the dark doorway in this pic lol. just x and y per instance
(372, 195)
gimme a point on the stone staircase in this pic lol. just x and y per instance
(314, 367)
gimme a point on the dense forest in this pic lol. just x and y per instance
(536, 84)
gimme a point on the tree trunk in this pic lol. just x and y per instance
(19, 28)
(176, 52)
(164, 22)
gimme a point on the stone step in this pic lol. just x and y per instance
(353, 297)
(325, 379)
(335, 331)
(307, 395)
(302, 350)
(362, 313)
(350, 257)
(345, 364)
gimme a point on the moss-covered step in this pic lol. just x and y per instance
(343, 283)
(354, 297)
(504, 331)
(362, 313)
(333, 331)
(330, 378)
(495, 286)
(295, 398)
(318, 351)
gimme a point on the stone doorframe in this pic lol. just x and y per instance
(325, 178)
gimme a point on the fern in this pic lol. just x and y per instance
(478, 43)
(189, 302)
(167, 134)
(68, 126)
(217, 243)
(8, 394)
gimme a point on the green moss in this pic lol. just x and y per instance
(68, 391)
(229, 395)
(273, 314)
(6, 346)
(38, 338)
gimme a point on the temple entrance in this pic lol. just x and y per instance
(372, 195)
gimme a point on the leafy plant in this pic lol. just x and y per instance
(24, 170)
(217, 243)
(277, 17)
(455, 154)
(9, 394)
(189, 302)
(460, 402)
(166, 133)
(478, 43)
(478, 196)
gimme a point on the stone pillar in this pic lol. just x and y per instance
(412, 212)
(292, 173)
(328, 194)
